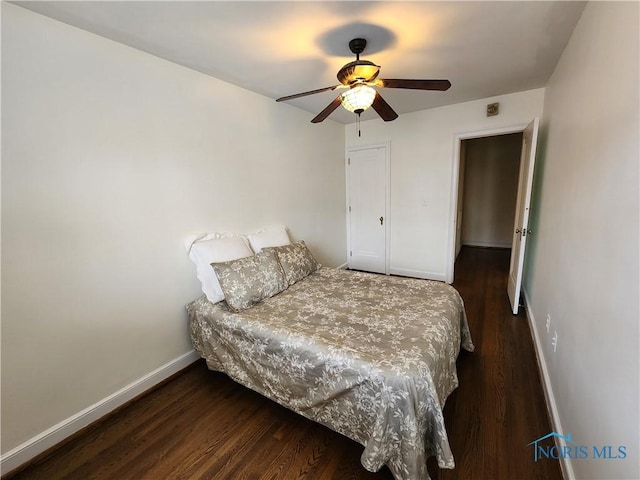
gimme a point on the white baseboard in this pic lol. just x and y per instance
(565, 462)
(474, 243)
(344, 266)
(418, 274)
(54, 435)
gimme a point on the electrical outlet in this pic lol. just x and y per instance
(548, 322)
(554, 341)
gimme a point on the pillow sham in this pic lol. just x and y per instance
(273, 236)
(296, 261)
(250, 280)
(207, 250)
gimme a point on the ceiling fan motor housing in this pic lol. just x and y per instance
(359, 71)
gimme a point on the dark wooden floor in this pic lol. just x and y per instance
(202, 425)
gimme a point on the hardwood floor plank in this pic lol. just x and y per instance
(202, 425)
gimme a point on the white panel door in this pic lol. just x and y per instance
(521, 223)
(367, 209)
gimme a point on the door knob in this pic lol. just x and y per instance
(381, 220)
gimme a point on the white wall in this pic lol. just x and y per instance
(582, 263)
(110, 157)
(490, 189)
(422, 145)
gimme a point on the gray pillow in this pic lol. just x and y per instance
(249, 280)
(296, 261)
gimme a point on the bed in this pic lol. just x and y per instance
(370, 356)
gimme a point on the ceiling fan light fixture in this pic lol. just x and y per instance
(358, 98)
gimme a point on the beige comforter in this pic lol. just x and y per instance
(370, 356)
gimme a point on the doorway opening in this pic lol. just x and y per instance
(487, 191)
(520, 223)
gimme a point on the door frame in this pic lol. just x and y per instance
(387, 200)
(455, 178)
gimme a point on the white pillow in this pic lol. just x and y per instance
(191, 239)
(274, 236)
(207, 249)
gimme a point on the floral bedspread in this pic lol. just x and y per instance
(370, 356)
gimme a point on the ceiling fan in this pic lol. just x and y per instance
(359, 77)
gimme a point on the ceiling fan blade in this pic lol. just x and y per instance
(383, 108)
(416, 84)
(304, 94)
(328, 110)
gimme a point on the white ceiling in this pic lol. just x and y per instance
(282, 48)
